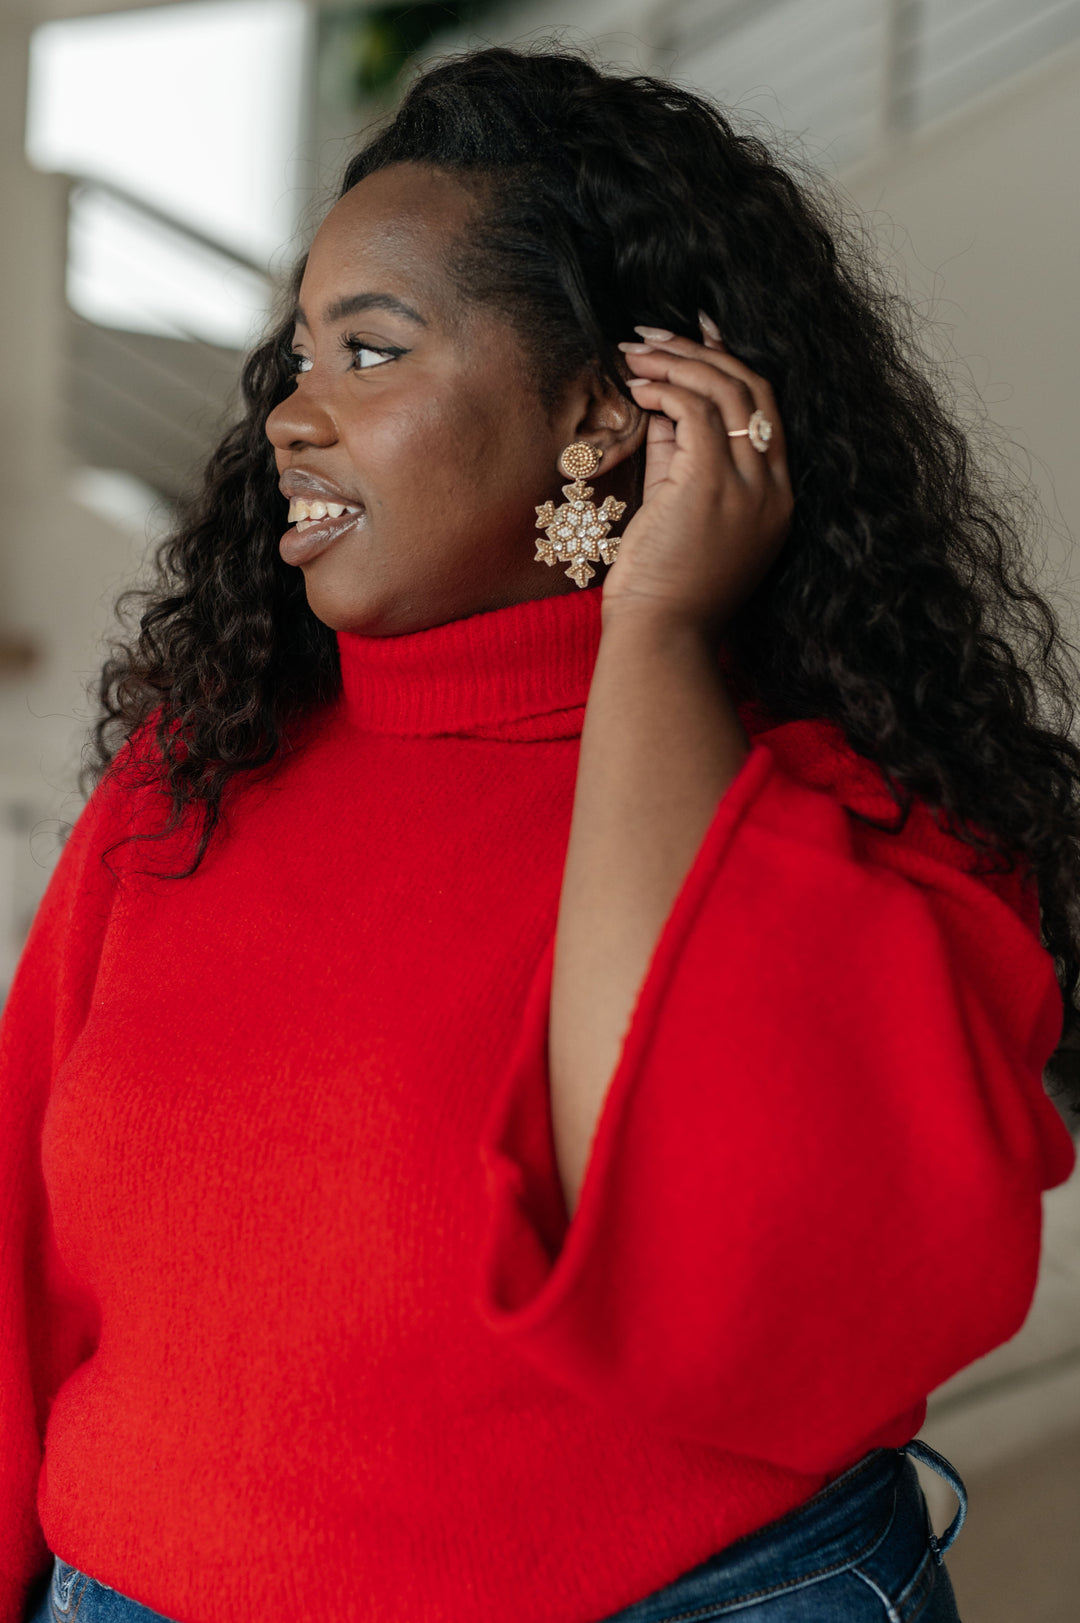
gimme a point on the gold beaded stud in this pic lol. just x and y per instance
(579, 460)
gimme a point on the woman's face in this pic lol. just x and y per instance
(416, 407)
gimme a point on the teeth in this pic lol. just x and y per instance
(300, 510)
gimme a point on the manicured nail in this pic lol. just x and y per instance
(708, 325)
(637, 349)
(658, 333)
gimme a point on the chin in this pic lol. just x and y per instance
(368, 615)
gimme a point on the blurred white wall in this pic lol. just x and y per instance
(58, 563)
(984, 208)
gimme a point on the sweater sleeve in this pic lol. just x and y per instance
(47, 1328)
(814, 1189)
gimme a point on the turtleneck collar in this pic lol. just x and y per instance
(517, 672)
(521, 672)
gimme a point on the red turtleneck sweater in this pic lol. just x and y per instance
(292, 1322)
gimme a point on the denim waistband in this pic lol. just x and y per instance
(937, 1462)
(872, 1517)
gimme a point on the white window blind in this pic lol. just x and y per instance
(844, 74)
(957, 48)
(810, 66)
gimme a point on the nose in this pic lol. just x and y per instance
(300, 419)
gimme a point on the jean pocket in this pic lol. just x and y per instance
(915, 1589)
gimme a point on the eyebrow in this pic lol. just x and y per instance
(353, 304)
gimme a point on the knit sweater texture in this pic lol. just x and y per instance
(293, 1323)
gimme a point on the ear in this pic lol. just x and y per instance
(598, 413)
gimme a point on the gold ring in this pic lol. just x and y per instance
(759, 432)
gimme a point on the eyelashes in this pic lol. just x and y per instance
(352, 345)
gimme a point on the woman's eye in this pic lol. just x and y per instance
(366, 355)
(363, 351)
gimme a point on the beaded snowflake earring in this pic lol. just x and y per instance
(576, 530)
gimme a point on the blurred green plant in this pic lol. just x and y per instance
(363, 49)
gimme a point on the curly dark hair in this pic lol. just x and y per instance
(900, 607)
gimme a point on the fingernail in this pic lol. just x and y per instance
(633, 383)
(659, 333)
(708, 325)
(636, 349)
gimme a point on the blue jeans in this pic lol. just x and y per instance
(861, 1551)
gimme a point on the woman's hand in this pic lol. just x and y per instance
(715, 511)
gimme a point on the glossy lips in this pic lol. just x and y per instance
(300, 546)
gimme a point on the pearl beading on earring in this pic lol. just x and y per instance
(576, 530)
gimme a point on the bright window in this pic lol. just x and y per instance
(196, 110)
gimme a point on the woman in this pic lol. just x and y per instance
(536, 1041)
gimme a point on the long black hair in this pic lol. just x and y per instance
(900, 607)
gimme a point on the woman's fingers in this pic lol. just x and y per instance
(699, 429)
(702, 487)
(732, 399)
(710, 331)
(713, 354)
(713, 350)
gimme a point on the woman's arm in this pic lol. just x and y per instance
(811, 1050)
(662, 739)
(661, 743)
